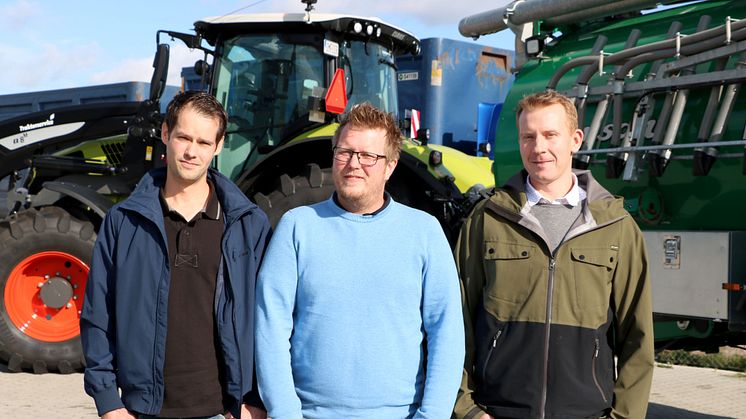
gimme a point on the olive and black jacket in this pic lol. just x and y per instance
(543, 328)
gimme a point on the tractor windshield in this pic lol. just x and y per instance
(371, 74)
(264, 84)
(264, 81)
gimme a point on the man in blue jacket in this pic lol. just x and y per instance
(169, 312)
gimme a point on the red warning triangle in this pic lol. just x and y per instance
(336, 96)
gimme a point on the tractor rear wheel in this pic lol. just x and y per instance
(44, 263)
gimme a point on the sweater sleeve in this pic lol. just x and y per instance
(275, 301)
(97, 323)
(468, 253)
(634, 327)
(443, 323)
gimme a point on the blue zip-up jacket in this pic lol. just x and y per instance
(124, 319)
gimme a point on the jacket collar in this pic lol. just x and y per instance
(145, 198)
(517, 186)
(603, 205)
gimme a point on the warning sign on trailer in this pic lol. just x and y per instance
(408, 75)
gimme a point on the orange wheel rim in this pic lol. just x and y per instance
(44, 295)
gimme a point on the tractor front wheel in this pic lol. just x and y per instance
(44, 263)
(313, 185)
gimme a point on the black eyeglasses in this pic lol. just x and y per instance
(365, 158)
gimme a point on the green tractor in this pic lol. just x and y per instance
(284, 80)
(658, 93)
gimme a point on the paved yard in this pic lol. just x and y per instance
(678, 393)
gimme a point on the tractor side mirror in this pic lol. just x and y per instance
(160, 72)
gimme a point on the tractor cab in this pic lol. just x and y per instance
(274, 73)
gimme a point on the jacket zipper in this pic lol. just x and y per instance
(547, 328)
(228, 286)
(489, 353)
(593, 369)
(159, 389)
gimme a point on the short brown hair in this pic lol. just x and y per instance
(367, 116)
(204, 103)
(548, 98)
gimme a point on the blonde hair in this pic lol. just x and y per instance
(549, 98)
(367, 116)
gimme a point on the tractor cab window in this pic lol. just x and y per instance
(370, 74)
(264, 83)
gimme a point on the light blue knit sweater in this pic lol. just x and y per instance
(346, 305)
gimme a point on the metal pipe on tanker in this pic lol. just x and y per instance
(659, 158)
(726, 107)
(582, 161)
(689, 45)
(656, 161)
(632, 38)
(705, 127)
(705, 157)
(582, 81)
(614, 162)
(617, 7)
(525, 11)
(633, 139)
(672, 31)
(664, 117)
(647, 105)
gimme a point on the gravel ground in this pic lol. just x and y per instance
(678, 393)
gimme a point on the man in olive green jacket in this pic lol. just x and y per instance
(555, 286)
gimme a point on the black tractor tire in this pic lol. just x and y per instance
(313, 185)
(35, 242)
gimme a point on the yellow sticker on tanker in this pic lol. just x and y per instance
(436, 74)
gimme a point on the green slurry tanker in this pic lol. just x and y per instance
(658, 92)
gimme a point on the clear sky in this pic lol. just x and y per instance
(54, 44)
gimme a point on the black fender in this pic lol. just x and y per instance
(293, 157)
(54, 190)
(290, 158)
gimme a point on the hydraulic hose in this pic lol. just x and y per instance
(691, 44)
(586, 74)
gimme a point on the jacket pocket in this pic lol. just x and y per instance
(593, 270)
(507, 367)
(491, 348)
(508, 268)
(489, 335)
(595, 369)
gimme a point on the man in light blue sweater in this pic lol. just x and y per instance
(358, 301)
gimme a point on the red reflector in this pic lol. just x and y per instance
(730, 286)
(336, 96)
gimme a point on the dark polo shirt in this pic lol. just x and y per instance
(192, 371)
